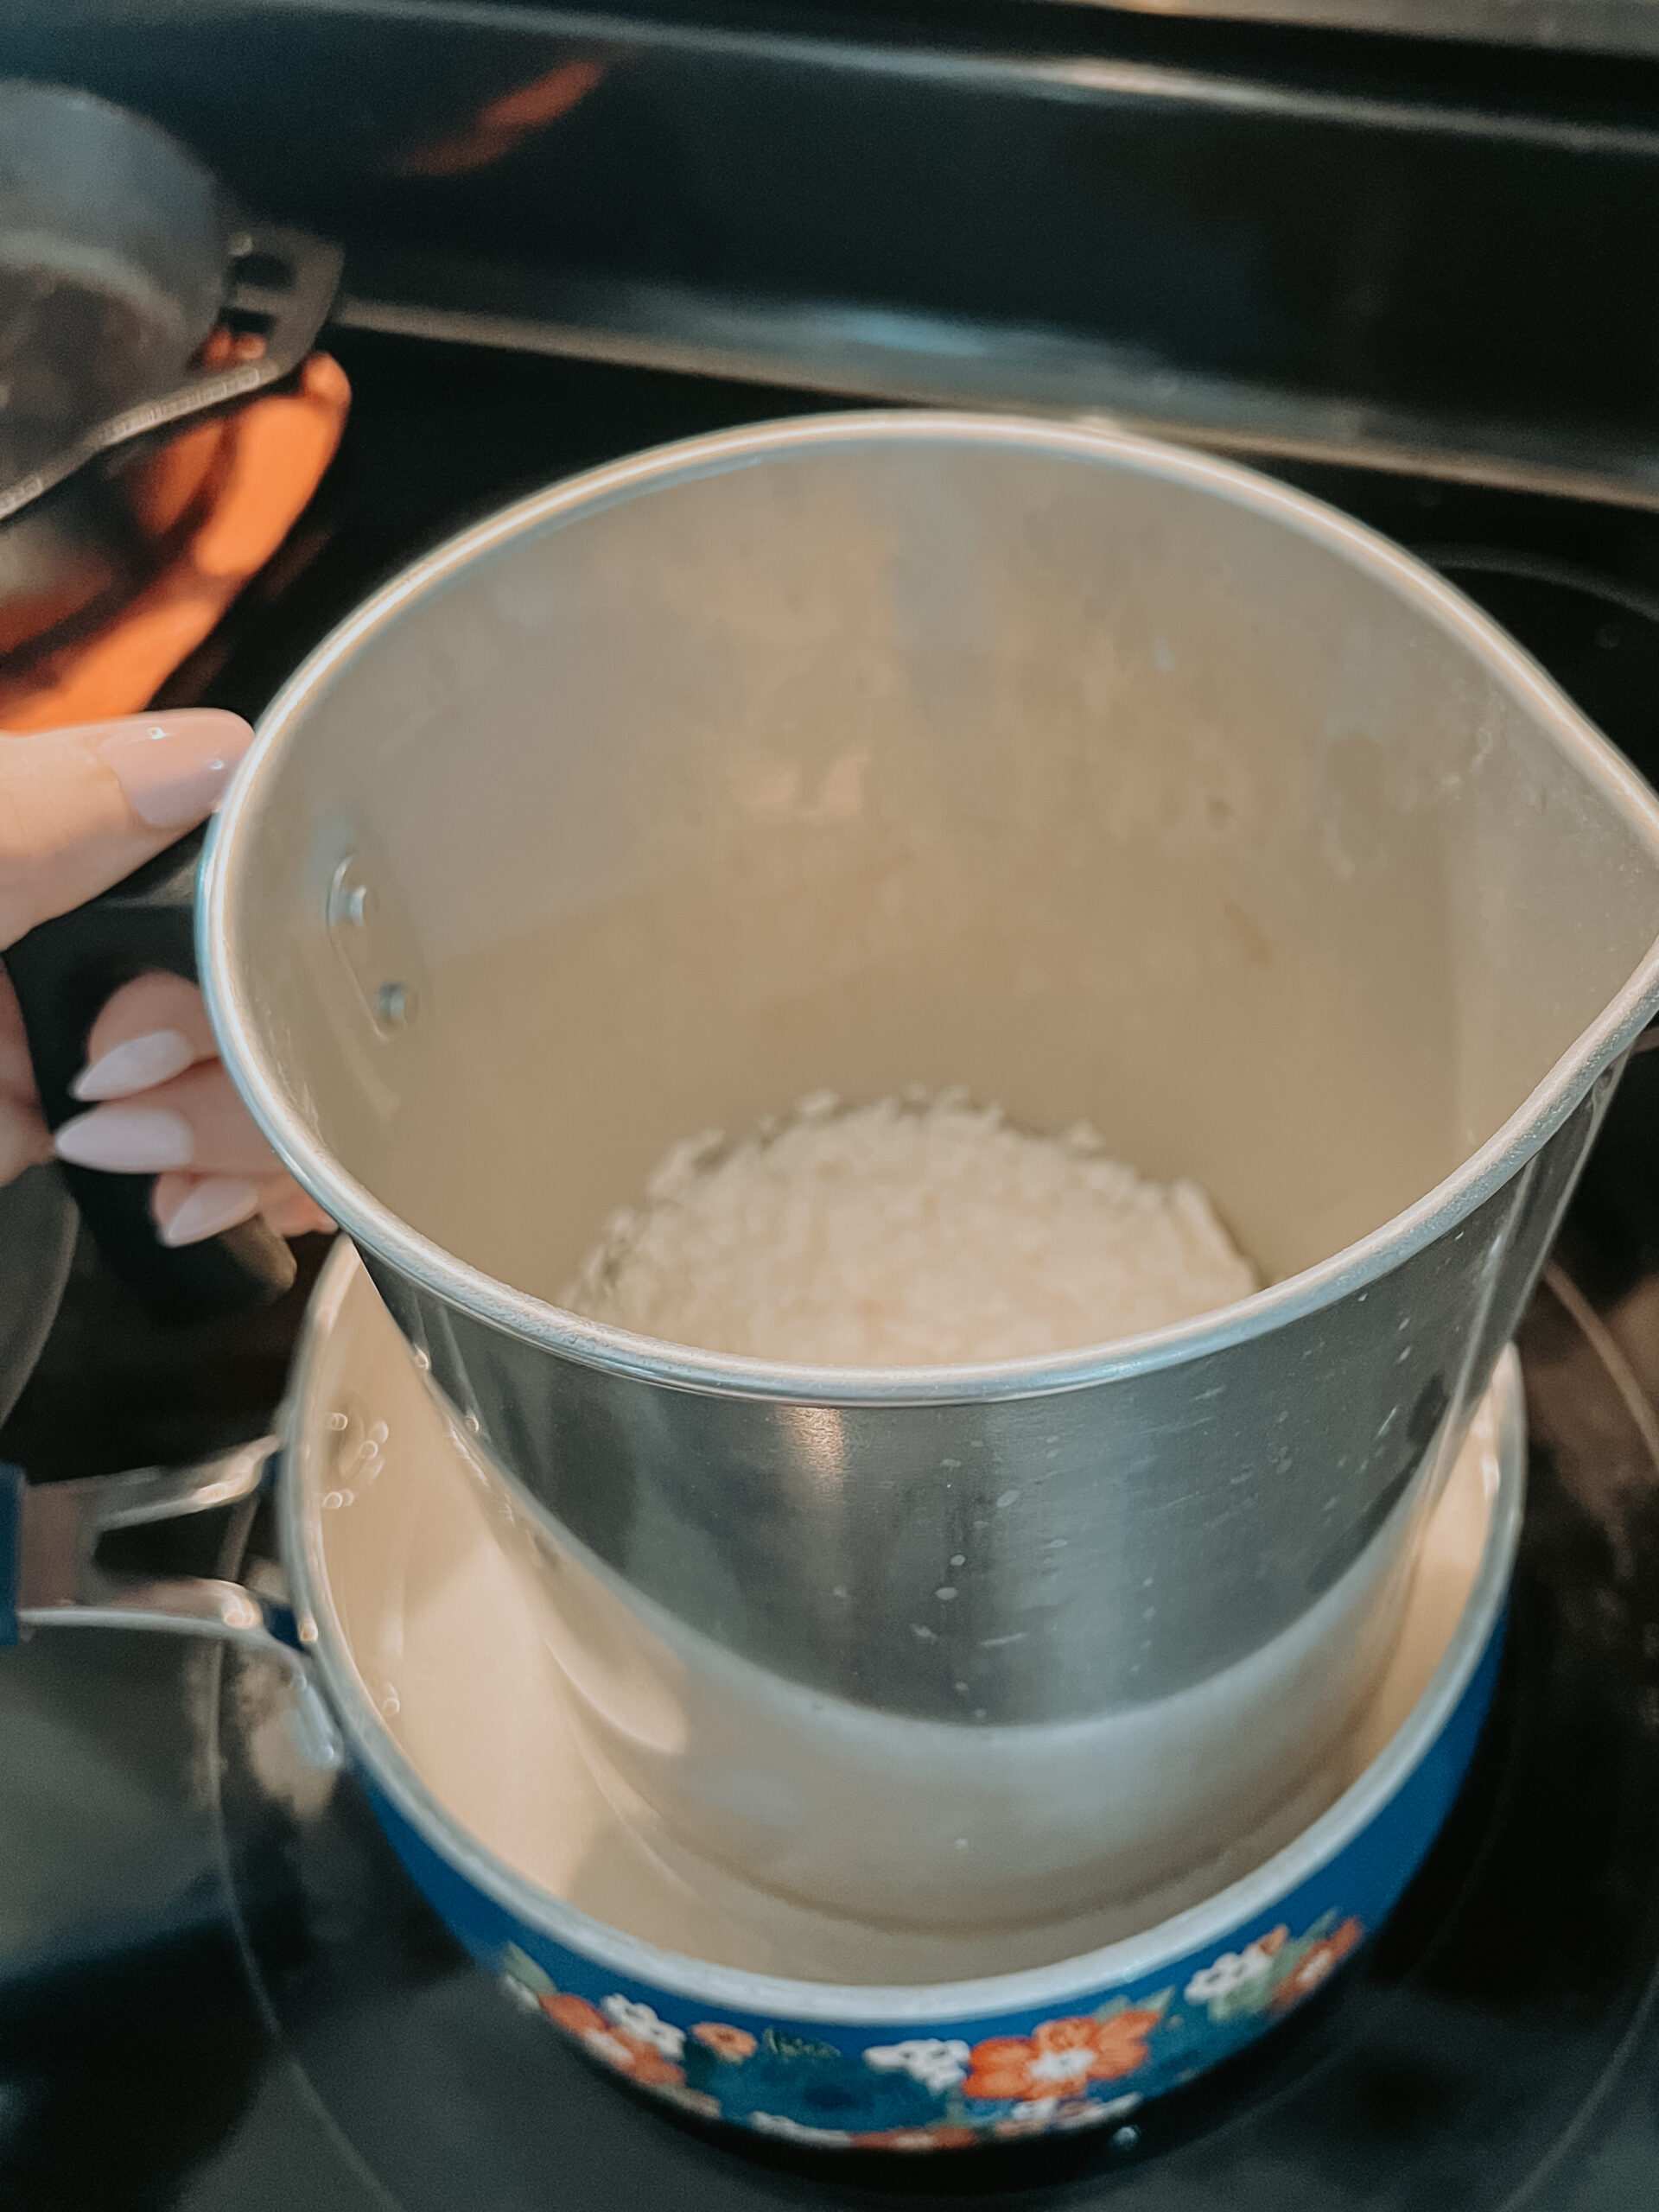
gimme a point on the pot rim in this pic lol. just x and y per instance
(235, 1015)
(873, 2005)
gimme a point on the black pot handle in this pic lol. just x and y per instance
(63, 972)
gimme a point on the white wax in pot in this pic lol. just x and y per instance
(915, 1232)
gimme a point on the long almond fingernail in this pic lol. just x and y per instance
(135, 1065)
(127, 1139)
(217, 1202)
(174, 767)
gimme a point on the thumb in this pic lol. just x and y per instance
(81, 808)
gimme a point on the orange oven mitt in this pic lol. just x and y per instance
(219, 498)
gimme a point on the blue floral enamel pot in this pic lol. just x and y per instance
(949, 2064)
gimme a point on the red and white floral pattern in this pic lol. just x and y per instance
(1235, 1970)
(617, 2047)
(1003, 2087)
(1317, 1965)
(1060, 2057)
(938, 2063)
(734, 2043)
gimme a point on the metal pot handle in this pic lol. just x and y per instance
(280, 279)
(50, 1576)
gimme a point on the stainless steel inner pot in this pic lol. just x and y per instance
(1104, 778)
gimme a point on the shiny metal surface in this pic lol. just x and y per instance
(990, 1847)
(1105, 778)
(62, 1585)
(1121, 362)
(335, 1559)
(345, 1344)
(118, 254)
(937, 361)
(116, 244)
(1582, 25)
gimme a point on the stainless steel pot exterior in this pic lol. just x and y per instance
(1106, 778)
(375, 1632)
(1039, 1558)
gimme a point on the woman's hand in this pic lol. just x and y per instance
(80, 809)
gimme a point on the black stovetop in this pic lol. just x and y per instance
(216, 1994)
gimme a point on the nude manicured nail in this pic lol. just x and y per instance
(217, 1202)
(174, 767)
(135, 1065)
(128, 1139)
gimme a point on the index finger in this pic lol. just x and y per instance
(81, 808)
